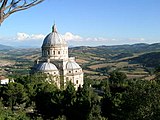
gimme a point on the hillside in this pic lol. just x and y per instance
(107, 50)
(5, 47)
(136, 60)
(149, 59)
(98, 61)
(117, 53)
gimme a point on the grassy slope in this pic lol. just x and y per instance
(95, 61)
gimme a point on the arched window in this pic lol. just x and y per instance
(58, 52)
(76, 81)
(53, 52)
(48, 52)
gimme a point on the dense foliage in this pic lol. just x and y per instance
(31, 97)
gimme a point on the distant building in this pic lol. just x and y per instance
(55, 61)
(4, 80)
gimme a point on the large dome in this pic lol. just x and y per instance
(53, 38)
(46, 67)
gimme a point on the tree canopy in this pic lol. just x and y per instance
(8, 7)
(116, 98)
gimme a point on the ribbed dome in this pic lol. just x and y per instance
(53, 38)
(72, 65)
(46, 67)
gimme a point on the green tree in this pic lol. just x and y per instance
(14, 95)
(69, 98)
(7, 114)
(157, 74)
(84, 104)
(117, 77)
(46, 101)
(141, 101)
(111, 106)
(113, 94)
(95, 113)
(31, 83)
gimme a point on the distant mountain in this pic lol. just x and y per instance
(135, 48)
(26, 47)
(5, 47)
(150, 53)
(116, 52)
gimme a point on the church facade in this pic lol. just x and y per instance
(56, 63)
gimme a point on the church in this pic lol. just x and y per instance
(56, 63)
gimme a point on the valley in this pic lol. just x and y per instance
(136, 61)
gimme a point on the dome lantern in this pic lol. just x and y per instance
(54, 29)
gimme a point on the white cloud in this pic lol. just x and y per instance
(23, 36)
(99, 39)
(69, 36)
(38, 36)
(136, 39)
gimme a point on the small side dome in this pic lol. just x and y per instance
(46, 67)
(72, 65)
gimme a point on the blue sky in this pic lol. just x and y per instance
(85, 22)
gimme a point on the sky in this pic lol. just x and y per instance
(85, 22)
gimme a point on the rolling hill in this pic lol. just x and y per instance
(134, 60)
(151, 59)
(5, 47)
